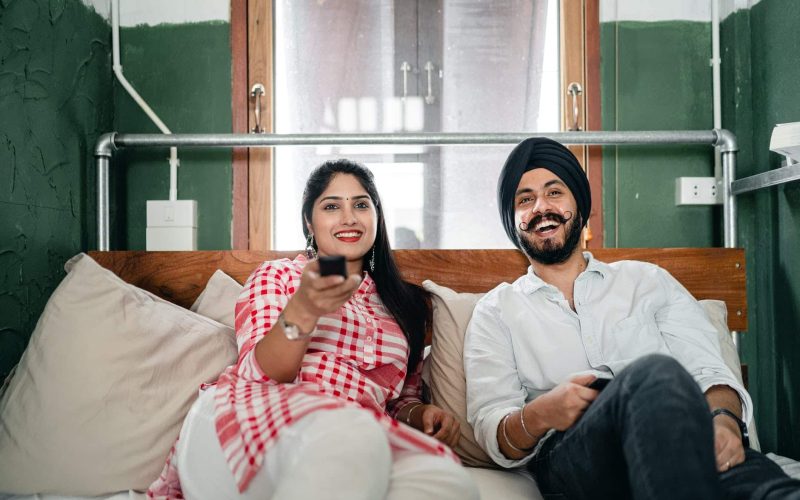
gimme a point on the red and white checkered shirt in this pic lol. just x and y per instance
(357, 357)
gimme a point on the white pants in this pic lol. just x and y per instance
(328, 454)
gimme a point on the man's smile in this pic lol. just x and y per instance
(546, 228)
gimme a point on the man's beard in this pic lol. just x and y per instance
(550, 251)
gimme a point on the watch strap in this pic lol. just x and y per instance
(291, 330)
(739, 422)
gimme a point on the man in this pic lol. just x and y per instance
(670, 422)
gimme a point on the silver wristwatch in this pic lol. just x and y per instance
(291, 330)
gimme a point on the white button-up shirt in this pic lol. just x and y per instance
(524, 339)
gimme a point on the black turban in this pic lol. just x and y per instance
(539, 152)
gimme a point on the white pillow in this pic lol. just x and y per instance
(218, 299)
(100, 393)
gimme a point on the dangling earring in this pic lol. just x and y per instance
(372, 261)
(311, 253)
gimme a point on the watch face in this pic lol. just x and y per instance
(291, 331)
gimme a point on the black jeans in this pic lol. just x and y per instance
(649, 435)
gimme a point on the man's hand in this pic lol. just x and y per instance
(561, 407)
(728, 446)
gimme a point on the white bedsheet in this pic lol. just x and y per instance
(791, 467)
(122, 495)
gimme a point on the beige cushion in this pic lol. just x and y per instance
(448, 386)
(218, 299)
(100, 393)
(451, 314)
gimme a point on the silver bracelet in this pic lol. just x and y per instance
(522, 421)
(508, 441)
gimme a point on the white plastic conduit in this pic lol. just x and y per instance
(715, 75)
(173, 152)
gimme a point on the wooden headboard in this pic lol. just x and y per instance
(708, 273)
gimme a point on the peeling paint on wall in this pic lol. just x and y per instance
(55, 100)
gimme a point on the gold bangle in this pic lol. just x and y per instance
(508, 440)
(408, 415)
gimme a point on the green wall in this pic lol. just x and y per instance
(184, 73)
(655, 76)
(57, 95)
(761, 52)
(55, 99)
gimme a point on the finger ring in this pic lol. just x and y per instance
(727, 465)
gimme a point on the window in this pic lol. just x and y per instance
(390, 66)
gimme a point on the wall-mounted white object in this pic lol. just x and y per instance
(785, 140)
(171, 225)
(697, 191)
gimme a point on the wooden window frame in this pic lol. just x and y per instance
(252, 62)
(580, 62)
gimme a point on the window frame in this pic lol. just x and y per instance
(252, 62)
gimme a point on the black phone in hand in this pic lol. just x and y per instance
(332, 265)
(599, 383)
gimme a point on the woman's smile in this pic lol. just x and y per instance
(349, 236)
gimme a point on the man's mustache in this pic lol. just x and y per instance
(554, 216)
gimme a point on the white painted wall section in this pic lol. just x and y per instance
(672, 10)
(654, 10)
(154, 12)
(728, 7)
(102, 7)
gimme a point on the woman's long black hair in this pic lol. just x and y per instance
(406, 302)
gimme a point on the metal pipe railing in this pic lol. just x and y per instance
(728, 149)
(108, 143)
(268, 140)
(776, 177)
(103, 211)
(729, 198)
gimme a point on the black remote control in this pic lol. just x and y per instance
(332, 264)
(599, 383)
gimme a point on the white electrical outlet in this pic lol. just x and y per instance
(697, 191)
(171, 225)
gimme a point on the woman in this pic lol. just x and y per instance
(323, 367)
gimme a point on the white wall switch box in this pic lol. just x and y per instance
(171, 225)
(698, 191)
(785, 140)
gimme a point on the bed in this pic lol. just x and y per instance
(129, 336)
